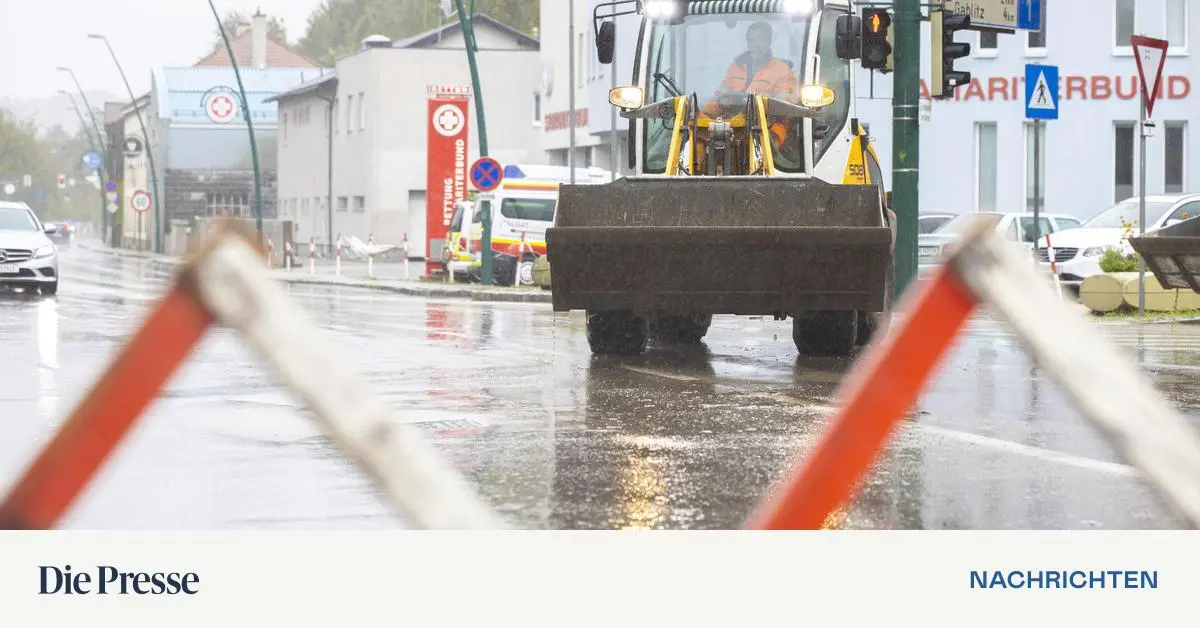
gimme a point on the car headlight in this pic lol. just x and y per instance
(1094, 251)
(45, 251)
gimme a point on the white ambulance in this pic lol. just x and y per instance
(522, 208)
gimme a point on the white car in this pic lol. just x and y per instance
(933, 248)
(1077, 252)
(28, 258)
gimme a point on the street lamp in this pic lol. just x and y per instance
(99, 143)
(82, 122)
(158, 218)
(249, 123)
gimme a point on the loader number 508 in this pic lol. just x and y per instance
(858, 171)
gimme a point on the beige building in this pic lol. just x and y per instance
(369, 118)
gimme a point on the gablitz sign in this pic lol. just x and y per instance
(446, 181)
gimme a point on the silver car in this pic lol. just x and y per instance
(27, 256)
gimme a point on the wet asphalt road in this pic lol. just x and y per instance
(551, 437)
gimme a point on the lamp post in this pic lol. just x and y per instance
(158, 217)
(82, 122)
(99, 145)
(249, 123)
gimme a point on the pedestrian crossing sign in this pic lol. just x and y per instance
(1041, 92)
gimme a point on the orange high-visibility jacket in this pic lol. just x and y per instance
(775, 79)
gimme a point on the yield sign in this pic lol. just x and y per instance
(1151, 54)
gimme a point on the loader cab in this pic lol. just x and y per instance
(721, 51)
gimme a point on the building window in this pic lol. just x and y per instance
(1029, 172)
(343, 204)
(1177, 25)
(537, 108)
(1035, 41)
(985, 166)
(989, 44)
(360, 204)
(1124, 25)
(1175, 136)
(1123, 160)
(235, 204)
(350, 113)
(362, 113)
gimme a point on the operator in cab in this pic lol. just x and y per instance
(759, 72)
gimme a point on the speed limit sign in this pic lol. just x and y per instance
(140, 201)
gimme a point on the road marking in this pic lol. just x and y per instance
(1047, 455)
(657, 373)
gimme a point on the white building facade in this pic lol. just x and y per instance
(976, 149)
(371, 114)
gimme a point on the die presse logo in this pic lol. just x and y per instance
(106, 580)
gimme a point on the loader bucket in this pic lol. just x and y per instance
(1172, 254)
(719, 245)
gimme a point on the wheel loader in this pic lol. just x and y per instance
(754, 188)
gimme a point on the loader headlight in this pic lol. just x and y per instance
(803, 7)
(815, 96)
(626, 97)
(662, 8)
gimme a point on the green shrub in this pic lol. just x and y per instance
(1113, 262)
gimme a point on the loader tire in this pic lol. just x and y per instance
(617, 333)
(873, 325)
(681, 329)
(825, 333)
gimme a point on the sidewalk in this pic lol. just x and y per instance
(354, 276)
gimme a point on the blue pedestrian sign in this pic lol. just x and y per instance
(1041, 92)
(92, 160)
(486, 174)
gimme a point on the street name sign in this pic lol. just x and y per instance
(1022, 15)
(1041, 92)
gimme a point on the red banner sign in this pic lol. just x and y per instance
(446, 181)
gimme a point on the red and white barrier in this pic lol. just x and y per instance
(270, 251)
(520, 258)
(1053, 266)
(287, 254)
(312, 255)
(337, 260)
(407, 271)
(370, 256)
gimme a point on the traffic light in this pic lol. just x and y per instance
(876, 39)
(943, 27)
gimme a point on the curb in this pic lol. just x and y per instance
(426, 291)
(429, 292)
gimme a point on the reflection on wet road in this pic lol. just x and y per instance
(552, 437)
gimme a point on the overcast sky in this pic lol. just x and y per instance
(36, 36)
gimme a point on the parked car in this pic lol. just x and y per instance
(1015, 227)
(932, 221)
(27, 256)
(1077, 252)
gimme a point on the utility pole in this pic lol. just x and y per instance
(906, 138)
(485, 207)
(571, 88)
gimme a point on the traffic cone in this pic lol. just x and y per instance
(287, 255)
(270, 250)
